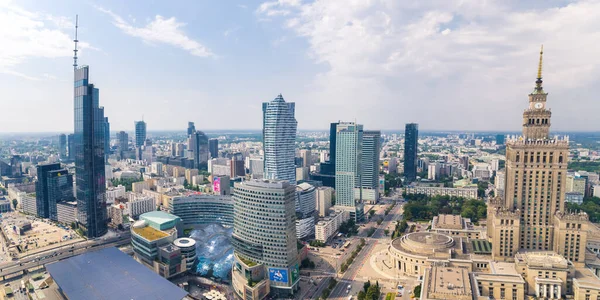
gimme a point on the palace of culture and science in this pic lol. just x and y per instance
(531, 248)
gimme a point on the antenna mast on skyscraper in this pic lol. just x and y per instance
(76, 41)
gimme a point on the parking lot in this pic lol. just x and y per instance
(42, 235)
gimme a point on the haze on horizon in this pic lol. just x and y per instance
(447, 65)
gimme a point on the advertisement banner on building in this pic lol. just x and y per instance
(278, 275)
(295, 273)
(217, 184)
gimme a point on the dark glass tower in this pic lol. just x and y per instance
(411, 139)
(60, 188)
(41, 188)
(140, 133)
(62, 146)
(191, 128)
(89, 155)
(71, 147)
(213, 148)
(106, 138)
(198, 144)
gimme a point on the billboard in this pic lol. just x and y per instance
(217, 184)
(295, 273)
(278, 275)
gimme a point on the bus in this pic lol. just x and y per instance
(347, 244)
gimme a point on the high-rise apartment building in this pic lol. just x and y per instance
(369, 174)
(89, 155)
(213, 148)
(62, 146)
(140, 133)
(106, 138)
(411, 142)
(306, 156)
(349, 138)
(279, 139)
(264, 239)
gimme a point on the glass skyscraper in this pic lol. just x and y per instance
(89, 155)
(279, 139)
(411, 142)
(140, 133)
(41, 188)
(106, 138)
(62, 146)
(369, 173)
(60, 189)
(348, 160)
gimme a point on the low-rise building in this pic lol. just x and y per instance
(115, 192)
(66, 212)
(466, 192)
(198, 209)
(328, 226)
(453, 225)
(574, 197)
(29, 204)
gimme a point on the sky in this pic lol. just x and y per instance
(447, 65)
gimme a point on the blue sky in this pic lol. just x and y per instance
(461, 65)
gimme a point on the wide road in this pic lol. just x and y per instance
(339, 292)
(43, 258)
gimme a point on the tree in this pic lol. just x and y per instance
(371, 213)
(361, 295)
(15, 202)
(387, 232)
(366, 286)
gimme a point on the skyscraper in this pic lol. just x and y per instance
(123, 142)
(41, 188)
(60, 189)
(140, 133)
(71, 147)
(348, 160)
(106, 139)
(198, 146)
(264, 238)
(213, 147)
(279, 139)
(327, 169)
(191, 128)
(411, 142)
(89, 153)
(62, 146)
(369, 174)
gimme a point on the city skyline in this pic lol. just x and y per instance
(463, 73)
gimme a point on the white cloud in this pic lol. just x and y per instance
(161, 30)
(275, 8)
(445, 62)
(25, 35)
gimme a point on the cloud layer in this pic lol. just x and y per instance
(468, 64)
(161, 30)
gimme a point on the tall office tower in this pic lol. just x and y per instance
(305, 154)
(411, 141)
(62, 146)
(500, 139)
(123, 140)
(369, 176)
(41, 188)
(191, 128)
(140, 133)
(89, 154)
(173, 148)
(279, 139)
(60, 189)
(348, 160)
(71, 146)
(106, 139)
(213, 148)
(180, 149)
(198, 146)
(264, 239)
(306, 203)
(327, 169)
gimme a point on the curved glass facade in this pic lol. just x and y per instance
(213, 250)
(202, 209)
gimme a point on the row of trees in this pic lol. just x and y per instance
(400, 228)
(423, 207)
(350, 259)
(327, 291)
(369, 292)
(127, 182)
(590, 205)
(349, 227)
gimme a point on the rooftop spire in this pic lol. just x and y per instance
(76, 41)
(538, 82)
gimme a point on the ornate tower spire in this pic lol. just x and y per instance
(538, 83)
(76, 41)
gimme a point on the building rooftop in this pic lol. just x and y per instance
(585, 278)
(158, 217)
(149, 233)
(448, 222)
(110, 274)
(447, 283)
